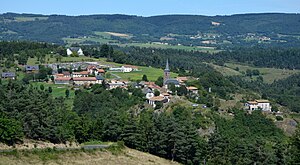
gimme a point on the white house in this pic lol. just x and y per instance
(78, 50)
(264, 105)
(116, 84)
(86, 80)
(192, 89)
(125, 69)
(153, 100)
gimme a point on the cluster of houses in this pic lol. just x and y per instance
(164, 96)
(93, 73)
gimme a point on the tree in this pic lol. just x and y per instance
(104, 51)
(144, 78)
(52, 78)
(295, 147)
(10, 130)
(249, 73)
(182, 90)
(255, 72)
(172, 88)
(50, 89)
(42, 87)
(158, 104)
(160, 81)
(156, 92)
(67, 93)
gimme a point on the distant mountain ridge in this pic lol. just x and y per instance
(52, 28)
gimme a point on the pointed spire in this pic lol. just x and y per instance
(167, 65)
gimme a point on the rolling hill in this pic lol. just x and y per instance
(242, 29)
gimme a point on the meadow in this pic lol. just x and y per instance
(269, 74)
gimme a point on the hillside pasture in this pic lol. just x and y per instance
(269, 74)
(151, 73)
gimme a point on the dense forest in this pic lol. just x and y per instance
(115, 115)
(52, 28)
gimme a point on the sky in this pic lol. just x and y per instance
(149, 7)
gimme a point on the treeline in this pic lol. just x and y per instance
(283, 58)
(55, 27)
(21, 51)
(121, 115)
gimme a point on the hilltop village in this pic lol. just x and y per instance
(85, 74)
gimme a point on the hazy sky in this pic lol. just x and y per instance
(149, 7)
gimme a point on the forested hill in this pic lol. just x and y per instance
(52, 28)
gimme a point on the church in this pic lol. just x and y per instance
(167, 77)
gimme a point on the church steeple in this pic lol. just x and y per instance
(167, 66)
(167, 72)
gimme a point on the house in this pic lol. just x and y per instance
(62, 80)
(149, 94)
(72, 50)
(85, 80)
(172, 81)
(153, 100)
(192, 89)
(125, 69)
(32, 69)
(263, 105)
(129, 68)
(80, 74)
(116, 84)
(182, 79)
(8, 75)
(66, 74)
(167, 96)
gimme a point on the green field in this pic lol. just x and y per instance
(152, 74)
(163, 46)
(50, 60)
(57, 90)
(269, 74)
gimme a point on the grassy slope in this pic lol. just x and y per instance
(269, 74)
(126, 156)
(152, 74)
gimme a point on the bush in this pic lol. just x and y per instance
(279, 118)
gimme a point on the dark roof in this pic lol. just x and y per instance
(31, 68)
(74, 49)
(8, 74)
(172, 81)
(99, 77)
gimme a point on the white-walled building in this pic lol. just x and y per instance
(264, 105)
(78, 50)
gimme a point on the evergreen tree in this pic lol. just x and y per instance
(144, 78)
(67, 93)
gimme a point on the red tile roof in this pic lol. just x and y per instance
(63, 79)
(101, 71)
(84, 79)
